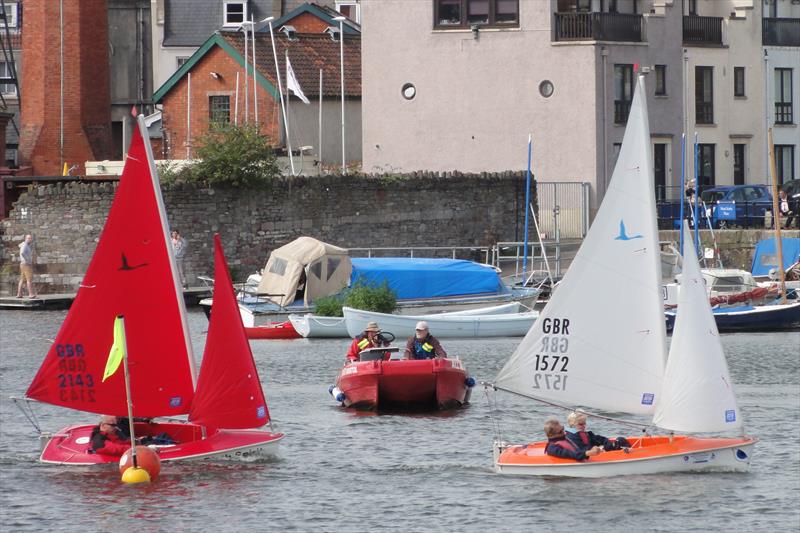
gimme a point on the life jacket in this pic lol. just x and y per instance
(423, 349)
(583, 436)
(363, 343)
(566, 444)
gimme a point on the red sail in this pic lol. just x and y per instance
(228, 392)
(130, 274)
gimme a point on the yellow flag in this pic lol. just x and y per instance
(65, 172)
(117, 349)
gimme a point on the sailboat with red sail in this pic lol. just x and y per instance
(133, 273)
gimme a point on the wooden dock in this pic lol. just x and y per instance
(47, 302)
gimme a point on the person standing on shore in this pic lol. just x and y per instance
(179, 247)
(26, 266)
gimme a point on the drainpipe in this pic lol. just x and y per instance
(604, 55)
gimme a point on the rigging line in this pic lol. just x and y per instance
(492, 409)
(32, 417)
(630, 423)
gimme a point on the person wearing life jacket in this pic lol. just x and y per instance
(368, 339)
(423, 345)
(106, 439)
(581, 438)
(559, 446)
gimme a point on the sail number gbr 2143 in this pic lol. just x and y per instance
(551, 364)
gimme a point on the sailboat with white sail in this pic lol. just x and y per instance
(580, 354)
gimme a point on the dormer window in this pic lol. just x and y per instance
(289, 31)
(333, 32)
(234, 13)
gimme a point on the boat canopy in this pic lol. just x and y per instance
(766, 255)
(324, 268)
(412, 278)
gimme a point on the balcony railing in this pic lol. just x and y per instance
(599, 27)
(702, 30)
(704, 113)
(621, 110)
(780, 32)
(783, 112)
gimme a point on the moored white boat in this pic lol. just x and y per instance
(444, 325)
(580, 354)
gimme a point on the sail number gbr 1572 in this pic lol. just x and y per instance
(551, 364)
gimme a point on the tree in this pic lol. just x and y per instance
(235, 155)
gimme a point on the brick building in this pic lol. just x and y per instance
(211, 86)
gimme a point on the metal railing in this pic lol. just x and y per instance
(598, 27)
(783, 112)
(473, 253)
(702, 30)
(622, 109)
(780, 31)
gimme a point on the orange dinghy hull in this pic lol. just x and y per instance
(648, 455)
(404, 384)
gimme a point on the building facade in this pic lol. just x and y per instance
(468, 81)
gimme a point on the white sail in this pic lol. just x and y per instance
(601, 341)
(697, 394)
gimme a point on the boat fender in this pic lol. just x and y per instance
(469, 382)
(336, 393)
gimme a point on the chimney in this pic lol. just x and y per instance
(84, 134)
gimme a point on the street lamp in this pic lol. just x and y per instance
(341, 64)
(243, 27)
(280, 92)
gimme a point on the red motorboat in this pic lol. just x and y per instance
(133, 273)
(273, 330)
(375, 383)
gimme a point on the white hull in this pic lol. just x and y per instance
(444, 325)
(725, 459)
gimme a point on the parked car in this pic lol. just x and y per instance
(737, 205)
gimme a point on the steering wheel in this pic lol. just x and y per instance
(386, 337)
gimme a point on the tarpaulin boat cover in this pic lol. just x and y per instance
(412, 278)
(766, 255)
(324, 268)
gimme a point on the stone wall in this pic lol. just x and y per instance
(350, 211)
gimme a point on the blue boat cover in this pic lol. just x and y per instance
(766, 255)
(412, 278)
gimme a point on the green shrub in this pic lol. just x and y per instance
(370, 298)
(238, 156)
(329, 306)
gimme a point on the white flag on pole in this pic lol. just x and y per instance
(293, 84)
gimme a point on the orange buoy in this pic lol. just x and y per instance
(146, 458)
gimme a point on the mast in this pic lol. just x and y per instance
(776, 215)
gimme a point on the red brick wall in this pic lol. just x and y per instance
(308, 23)
(87, 99)
(204, 85)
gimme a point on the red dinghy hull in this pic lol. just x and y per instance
(71, 445)
(273, 330)
(404, 384)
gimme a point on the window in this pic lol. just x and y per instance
(783, 96)
(11, 14)
(705, 171)
(738, 164)
(661, 80)
(7, 71)
(11, 156)
(738, 81)
(784, 162)
(623, 92)
(466, 13)
(351, 10)
(219, 109)
(693, 7)
(234, 13)
(615, 154)
(180, 61)
(704, 95)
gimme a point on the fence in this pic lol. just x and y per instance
(563, 210)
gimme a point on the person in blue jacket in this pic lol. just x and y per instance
(581, 438)
(423, 345)
(559, 446)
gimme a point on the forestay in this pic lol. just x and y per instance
(697, 394)
(601, 342)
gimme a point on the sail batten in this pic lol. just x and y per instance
(597, 342)
(132, 254)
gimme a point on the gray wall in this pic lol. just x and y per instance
(349, 211)
(304, 128)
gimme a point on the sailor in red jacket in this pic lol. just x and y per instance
(106, 438)
(368, 339)
(581, 438)
(559, 446)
